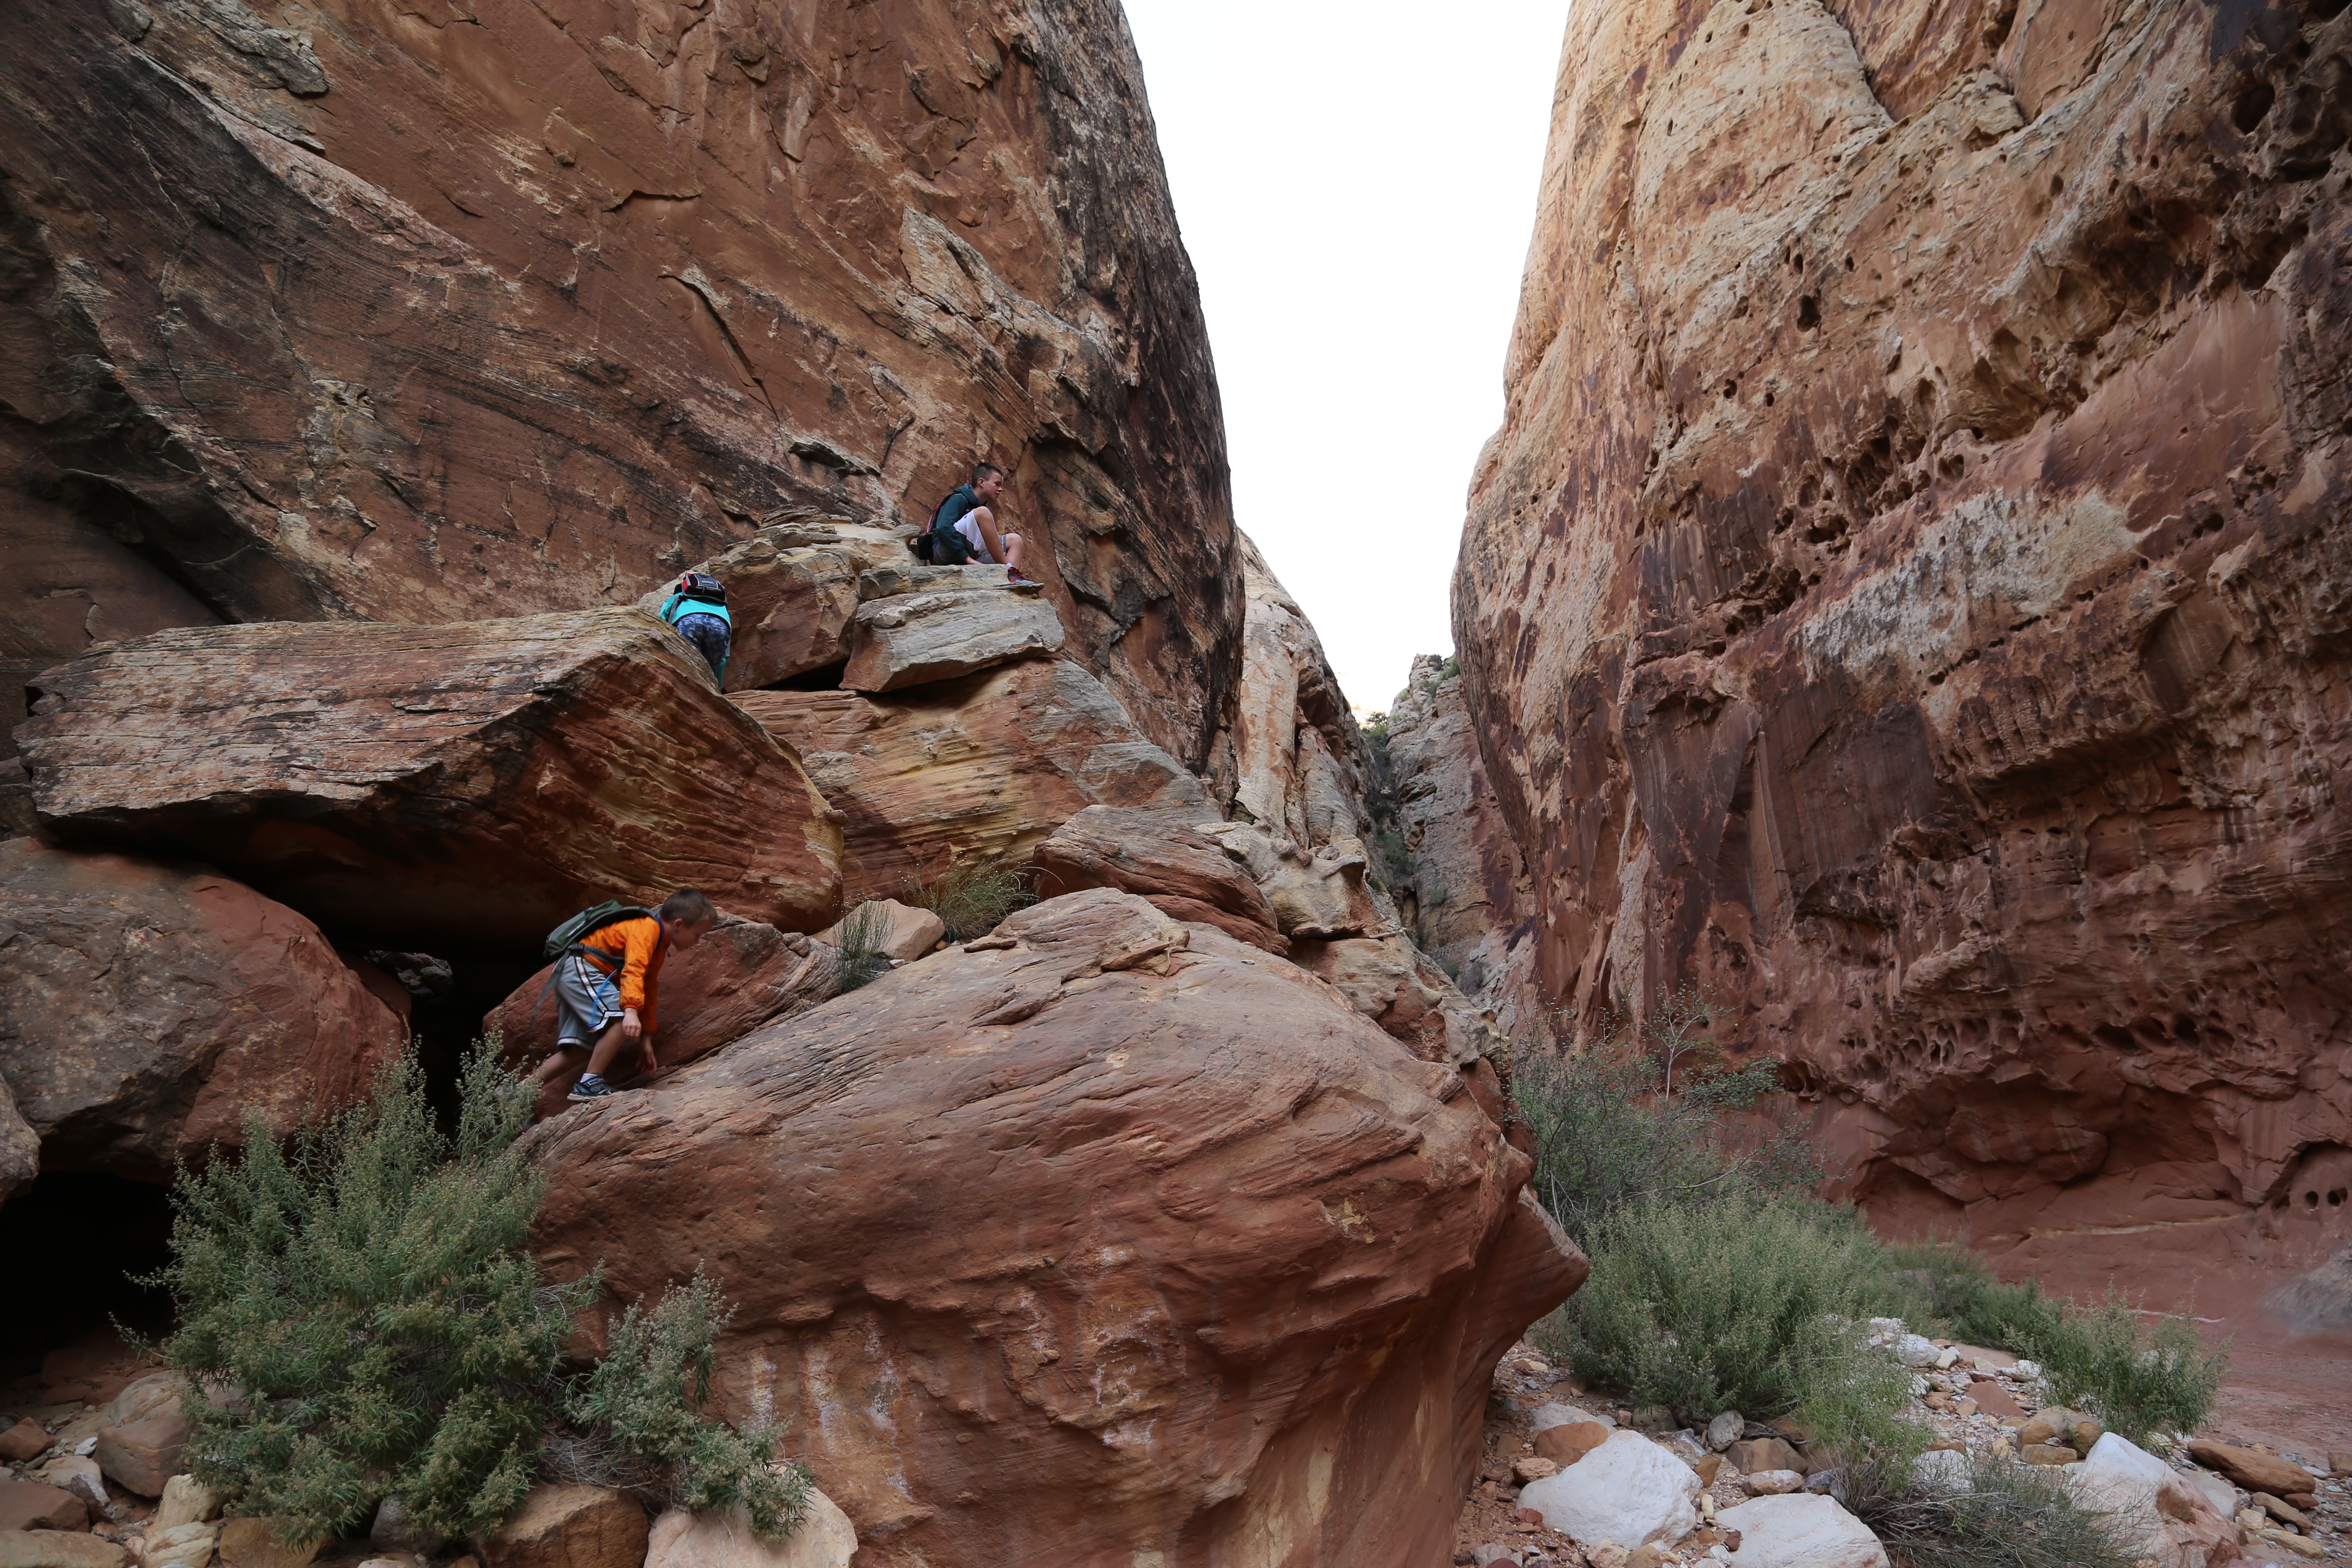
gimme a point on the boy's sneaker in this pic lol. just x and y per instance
(591, 1086)
(1019, 585)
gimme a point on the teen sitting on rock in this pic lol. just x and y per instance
(969, 514)
(605, 987)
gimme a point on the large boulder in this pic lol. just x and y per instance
(480, 781)
(1317, 891)
(792, 593)
(146, 1005)
(1162, 856)
(681, 1539)
(740, 975)
(1100, 1238)
(1628, 1490)
(984, 766)
(1800, 1530)
(940, 632)
(2160, 1512)
(570, 1527)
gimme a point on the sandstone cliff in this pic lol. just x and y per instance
(421, 311)
(1908, 592)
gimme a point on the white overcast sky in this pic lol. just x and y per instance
(1355, 183)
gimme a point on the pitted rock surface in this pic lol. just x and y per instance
(484, 780)
(1083, 1242)
(1907, 594)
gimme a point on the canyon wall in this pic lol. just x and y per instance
(1908, 594)
(425, 310)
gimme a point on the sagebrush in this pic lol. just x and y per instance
(2004, 1514)
(971, 895)
(1741, 1302)
(360, 1299)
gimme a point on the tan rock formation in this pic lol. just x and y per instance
(477, 781)
(1906, 592)
(1400, 988)
(1465, 898)
(914, 639)
(983, 766)
(428, 314)
(145, 1005)
(792, 592)
(1316, 894)
(1033, 1264)
(894, 929)
(1301, 766)
(1183, 870)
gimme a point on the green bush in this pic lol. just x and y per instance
(860, 957)
(2136, 1382)
(2007, 1515)
(360, 1305)
(1742, 1302)
(641, 1402)
(971, 896)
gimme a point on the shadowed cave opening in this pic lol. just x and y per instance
(76, 1238)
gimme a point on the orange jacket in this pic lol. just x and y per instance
(635, 949)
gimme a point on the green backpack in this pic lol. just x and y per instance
(567, 937)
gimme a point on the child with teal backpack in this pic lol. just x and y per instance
(697, 608)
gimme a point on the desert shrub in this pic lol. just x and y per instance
(1744, 1302)
(2007, 1515)
(2136, 1381)
(971, 896)
(859, 956)
(359, 1299)
(643, 1402)
(1641, 1116)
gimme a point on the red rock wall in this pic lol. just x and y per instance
(427, 309)
(1908, 592)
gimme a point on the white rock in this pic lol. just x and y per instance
(917, 637)
(1946, 1356)
(1886, 1328)
(1803, 1530)
(1773, 1483)
(1546, 1416)
(2030, 1370)
(1915, 1352)
(681, 1540)
(1725, 1430)
(192, 1546)
(2219, 1492)
(2165, 1515)
(1946, 1469)
(1629, 1489)
(78, 1475)
(186, 1501)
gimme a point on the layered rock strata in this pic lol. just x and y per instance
(1301, 764)
(1908, 590)
(1032, 1264)
(423, 314)
(147, 1007)
(473, 783)
(982, 767)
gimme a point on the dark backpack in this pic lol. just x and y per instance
(569, 936)
(942, 544)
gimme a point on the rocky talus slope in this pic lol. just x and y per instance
(425, 313)
(1907, 594)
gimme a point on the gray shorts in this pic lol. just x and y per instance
(587, 1000)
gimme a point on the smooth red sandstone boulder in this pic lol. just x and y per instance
(477, 781)
(1100, 1238)
(1185, 872)
(1908, 595)
(146, 1004)
(985, 766)
(571, 1527)
(497, 309)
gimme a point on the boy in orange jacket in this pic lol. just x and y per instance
(604, 994)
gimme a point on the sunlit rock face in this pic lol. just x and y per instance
(1908, 592)
(437, 308)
